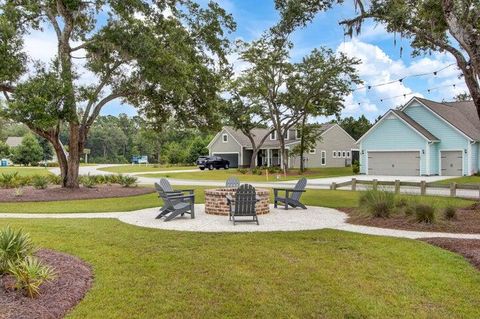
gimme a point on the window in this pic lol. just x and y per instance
(286, 134)
(312, 151)
(343, 154)
(334, 154)
(298, 134)
(324, 157)
(348, 154)
(273, 135)
(225, 138)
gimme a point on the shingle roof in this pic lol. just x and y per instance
(416, 126)
(259, 133)
(462, 115)
(14, 141)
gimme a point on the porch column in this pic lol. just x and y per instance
(281, 158)
(268, 157)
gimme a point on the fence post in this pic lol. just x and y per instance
(354, 184)
(397, 186)
(453, 189)
(334, 186)
(423, 188)
(375, 184)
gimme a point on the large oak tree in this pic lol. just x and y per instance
(164, 57)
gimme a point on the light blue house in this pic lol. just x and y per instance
(423, 138)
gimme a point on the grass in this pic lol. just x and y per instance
(143, 168)
(224, 174)
(25, 171)
(325, 198)
(461, 180)
(147, 273)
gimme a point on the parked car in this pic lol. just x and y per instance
(212, 162)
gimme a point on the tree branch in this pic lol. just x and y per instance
(99, 89)
(98, 107)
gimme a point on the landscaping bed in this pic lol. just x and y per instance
(468, 248)
(413, 213)
(73, 278)
(56, 193)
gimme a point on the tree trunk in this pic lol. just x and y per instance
(61, 158)
(253, 160)
(302, 146)
(75, 149)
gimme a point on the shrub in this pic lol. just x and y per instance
(273, 169)
(378, 203)
(356, 168)
(401, 202)
(128, 181)
(14, 246)
(30, 274)
(9, 180)
(450, 212)
(425, 213)
(88, 181)
(55, 179)
(39, 181)
(113, 179)
(242, 171)
(257, 171)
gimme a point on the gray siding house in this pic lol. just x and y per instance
(334, 148)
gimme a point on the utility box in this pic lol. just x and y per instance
(4, 162)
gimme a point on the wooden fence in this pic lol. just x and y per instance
(397, 184)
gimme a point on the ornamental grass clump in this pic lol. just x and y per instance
(14, 247)
(450, 213)
(377, 203)
(128, 181)
(88, 181)
(40, 182)
(425, 213)
(30, 273)
(9, 180)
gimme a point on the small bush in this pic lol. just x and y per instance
(425, 213)
(88, 181)
(356, 168)
(242, 171)
(9, 180)
(128, 181)
(257, 171)
(30, 274)
(40, 182)
(14, 246)
(450, 213)
(378, 203)
(55, 179)
(401, 202)
(273, 169)
(113, 179)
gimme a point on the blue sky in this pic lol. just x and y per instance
(381, 60)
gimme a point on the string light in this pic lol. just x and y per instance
(404, 95)
(370, 86)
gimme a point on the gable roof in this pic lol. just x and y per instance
(259, 133)
(407, 120)
(14, 141)
(461, 115)
(416, 125)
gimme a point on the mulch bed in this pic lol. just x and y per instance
(56, 193)
(73, 279)
(467, 221)
(468, 248)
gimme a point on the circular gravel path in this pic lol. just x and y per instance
(278, 220)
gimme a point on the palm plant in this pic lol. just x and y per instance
(14, 246)
(30, 274)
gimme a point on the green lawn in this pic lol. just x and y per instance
(224, 174)
(143, 168)
(461, 180)
(326, 198)
(147, 273)
(25, 171)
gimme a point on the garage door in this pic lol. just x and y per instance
(394, 163)
(452, 163)
(232, 158)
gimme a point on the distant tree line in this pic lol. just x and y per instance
(114, 139)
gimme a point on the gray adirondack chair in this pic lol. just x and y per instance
(175, 202)
(243, 205)
(232, 182)
(292, 196)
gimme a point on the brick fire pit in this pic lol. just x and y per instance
(216, 201)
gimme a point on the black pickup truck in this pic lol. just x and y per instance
(212, 162)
